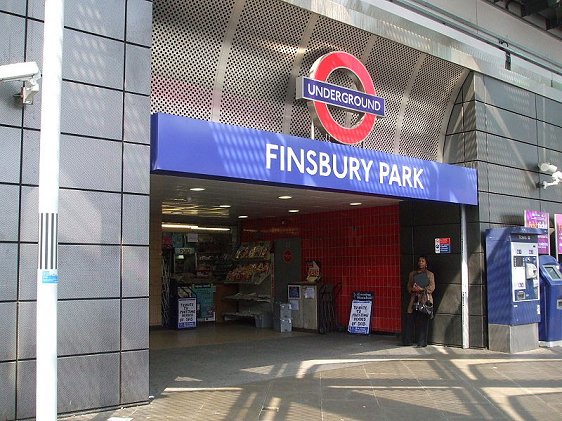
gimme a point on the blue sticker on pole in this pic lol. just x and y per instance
(49, 277)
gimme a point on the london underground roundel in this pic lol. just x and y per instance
(320, 94)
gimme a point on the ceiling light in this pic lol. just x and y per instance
(355, 204)
(224, 206)
(243, 216)
(192, 227)
(293, 210)
(197, 189)
(285, 197)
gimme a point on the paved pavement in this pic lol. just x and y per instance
(338, 376)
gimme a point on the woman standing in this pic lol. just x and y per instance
(421, 284)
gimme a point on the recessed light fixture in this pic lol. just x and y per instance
(171, 225)
(294, 210)
(242, 216)
(197, 189)
(224, 206)
(355, 204)
(285, 197)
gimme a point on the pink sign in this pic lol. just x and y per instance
(538, 219)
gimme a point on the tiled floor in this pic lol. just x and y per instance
(239, 373)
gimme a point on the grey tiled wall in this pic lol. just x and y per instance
(103, 206)
(504, 132)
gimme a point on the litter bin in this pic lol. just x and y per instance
(550, 326)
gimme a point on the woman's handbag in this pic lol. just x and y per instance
(425, 308)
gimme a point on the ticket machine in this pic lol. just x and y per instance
(550, 326)
(512, 269)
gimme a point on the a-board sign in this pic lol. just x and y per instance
(360, 316)
(187, 313)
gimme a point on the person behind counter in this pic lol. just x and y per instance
(421, 284)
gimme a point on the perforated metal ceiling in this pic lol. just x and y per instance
(236, 62)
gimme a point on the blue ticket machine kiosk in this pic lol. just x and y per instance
(512, 262)
(550, 326)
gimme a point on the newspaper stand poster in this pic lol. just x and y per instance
(360, 316)
(187, 313)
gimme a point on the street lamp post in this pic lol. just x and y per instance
(47, 265)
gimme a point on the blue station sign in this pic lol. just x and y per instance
(182, 145)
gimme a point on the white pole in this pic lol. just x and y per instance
(464, 282)
(47, 265)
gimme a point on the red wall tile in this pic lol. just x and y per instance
(359, 249)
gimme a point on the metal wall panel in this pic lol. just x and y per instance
(8, 272)
(88, 58)
(475, 145)
(501, 180)
(476, 263)
(10, 145)
(454, 150)
(509, 210)
(135, 271)
(509, 97)
(139, 22)
(13, 6)
(9, 209)
(446, 329)
(549, 136)
(29, 219)
(85, 110)
(8, 388)
(136, 119)
(8, 331)
(510, 153)
(134, 323)
(137, 79)
(30, 157)
(134, 376)
(455, 121)
(84, 382)
(85, 326)
(549, 111)
(28, 272)
(447, 297)
(103, 17)
(511, 125)
(135, 219)
(34, 44)
(93, 59)
(89, 271)
(136, 168)
(478, 297)
(90, 163)
(89, 217)
(11, 51)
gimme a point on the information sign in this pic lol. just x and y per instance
(187, 313)
(360, 316)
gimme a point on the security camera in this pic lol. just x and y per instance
(19, 71)
(27, 72)
(547, 167)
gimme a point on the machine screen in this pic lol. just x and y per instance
(553, 272)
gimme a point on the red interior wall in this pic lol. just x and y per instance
(359, 248)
